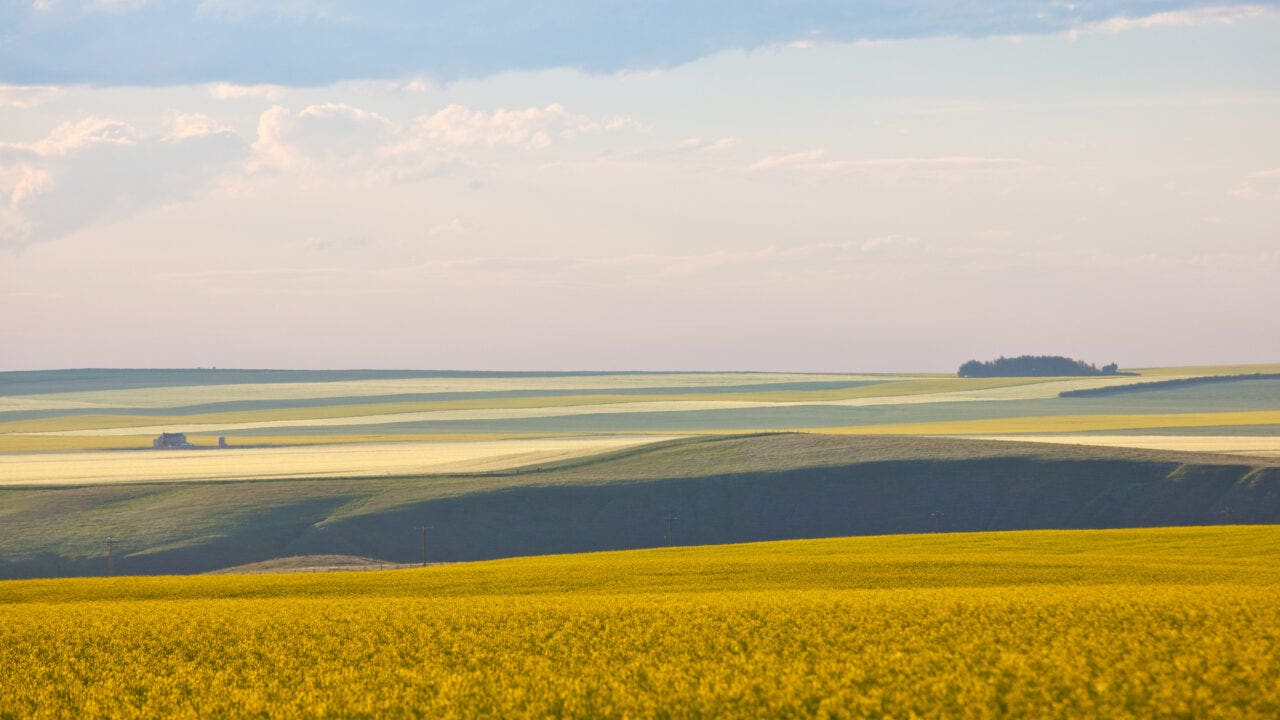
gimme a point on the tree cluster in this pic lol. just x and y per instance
(1034, 366)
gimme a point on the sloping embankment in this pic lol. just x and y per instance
(867, 498)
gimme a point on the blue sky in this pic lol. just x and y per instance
(785, 186)
(316, 42)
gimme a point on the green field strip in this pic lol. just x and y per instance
(1195, 370)
(185, 396)
(817, 416)
(290, 403)
(37, 382)
(1157, 385)
(880, 390)
(1066, 423)
(1238, 430)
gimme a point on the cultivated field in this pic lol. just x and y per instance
(333, 460)
(102, 410)
(1246, 445)
(1116, 624)
(350, 462)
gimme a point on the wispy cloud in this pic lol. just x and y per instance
(1263, 184)
(1213, 15)
(231, 91)
(97, 169)
(25, 97)
(815, 164)
(347, 137)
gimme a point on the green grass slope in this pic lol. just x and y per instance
(720, 490)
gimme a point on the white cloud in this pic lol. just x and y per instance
(1175, 18)
(231, 91)
(804, 159)
(25, 97)
(332, 133)
(370, 144)
(885, 242)
(189, 125)
(816, 164)
(1259, 185)
(531, 127)
(73, 136)
(100, 169)
(702, 145)
(455, 226)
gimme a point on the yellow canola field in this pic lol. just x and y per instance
(1115, 624)
(335, 460)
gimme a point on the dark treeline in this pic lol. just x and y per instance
(1034, 366)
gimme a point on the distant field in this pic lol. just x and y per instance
(1214, 370)
(1247, 445)
(107, 410)
(1122, 623)
(336, 460)
(176, 396)
(1067, 423)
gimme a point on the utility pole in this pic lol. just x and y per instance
(424, 529)
(671, 518)
(111, 567)
(937, 521)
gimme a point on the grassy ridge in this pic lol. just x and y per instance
(1073, 624)
(724, 490)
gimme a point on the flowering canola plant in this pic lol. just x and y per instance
(1134, 623)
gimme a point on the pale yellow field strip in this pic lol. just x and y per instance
(501, 414)
(1027, 390)
(365, 459)
(1169, 373)
(1218, 444)
(13, 443)
(130, 426)
(1060, 424)
(164, 397)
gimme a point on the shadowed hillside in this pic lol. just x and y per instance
(718, 490)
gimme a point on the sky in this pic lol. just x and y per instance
(793, 186)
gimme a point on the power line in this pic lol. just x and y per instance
(424, 529)
(110, 542)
